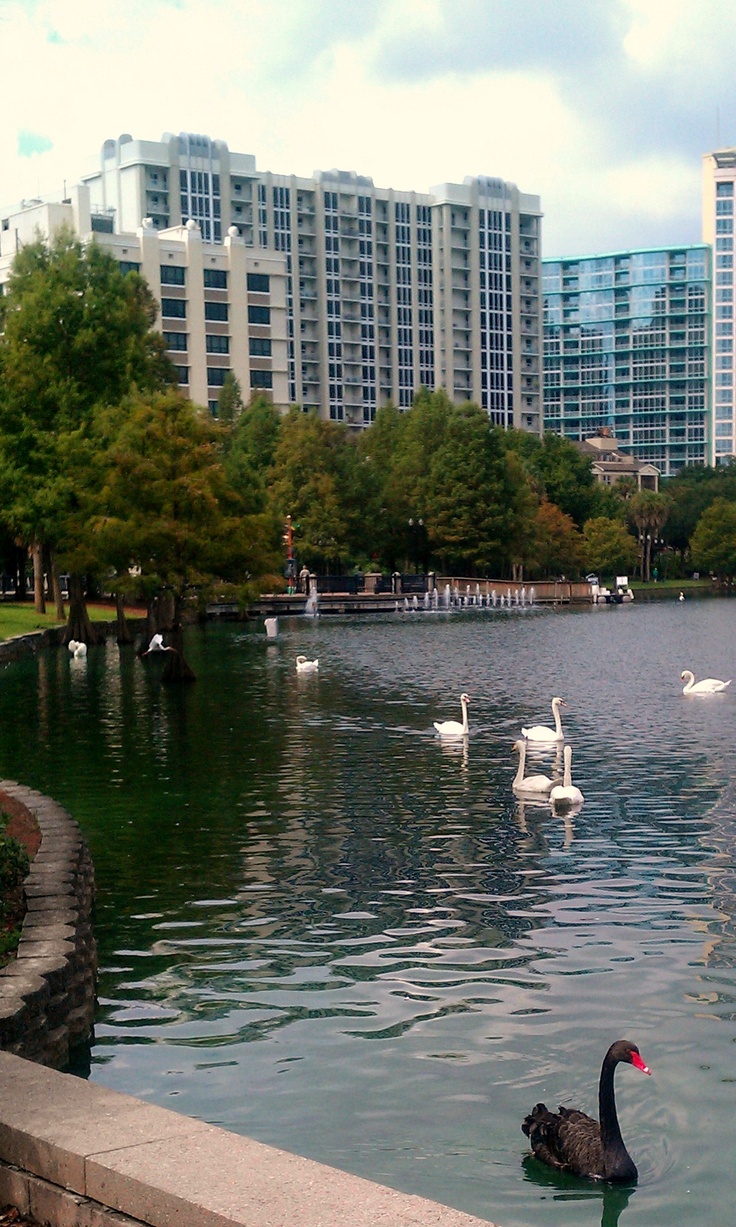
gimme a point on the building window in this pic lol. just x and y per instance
(259, 315)
(259, 347)
(182, 374)
(128, 266)
(261, 379)
(216, 376)
(173, 274)
(174, 308)
(215, 278)
(259, 283)
(216, 311)
(217, 345)
(175, 340)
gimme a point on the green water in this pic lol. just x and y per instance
(320, 926)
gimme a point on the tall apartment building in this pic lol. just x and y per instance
(386, 291)
(627, 344)
(222, 305)
(719, 182)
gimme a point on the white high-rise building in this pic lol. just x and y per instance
(719, 192)
(385, 291)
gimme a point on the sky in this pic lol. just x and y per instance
(603, 108)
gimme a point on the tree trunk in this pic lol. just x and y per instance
(177, 668)
(78, 625)
(56, 587)
(124, 632)
(39, 601)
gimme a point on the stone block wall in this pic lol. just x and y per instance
(47, 994)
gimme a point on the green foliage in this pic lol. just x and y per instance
(713, 546)
(250, 452)
(76, 333)
(230, 401)
(163, 502)
(317, 478)
(648, 512)
(691, 492)
(14, 862)
(607, 547)
(559, 472)
(469, 498)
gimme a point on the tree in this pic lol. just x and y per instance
(473, 498)
(76, 333)
(561, 473)
(560, 542)
(250, 451)
(608, 548)
(648, 512)
(165, 508)
(691, 492)
(713, 545)
(315, 478)
(385, 511)
(230, 401)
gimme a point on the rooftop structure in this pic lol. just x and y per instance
(610, 465)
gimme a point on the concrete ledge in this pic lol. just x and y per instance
(69, 1147)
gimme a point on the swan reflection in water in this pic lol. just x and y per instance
(533, 814)
(613, 1199)
(455, 748)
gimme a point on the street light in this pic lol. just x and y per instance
(416, 540)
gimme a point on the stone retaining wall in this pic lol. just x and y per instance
(47, 994)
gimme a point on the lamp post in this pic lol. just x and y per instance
(289, 546)
(416, 541)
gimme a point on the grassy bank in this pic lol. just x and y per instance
(700, 587)
(20, 618)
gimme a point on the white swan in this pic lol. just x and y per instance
(80, 650)
(452, 728)
(566, 794)
(709, 685)
(306, 666)
(73, 645)
(541, 732)
(535, 784)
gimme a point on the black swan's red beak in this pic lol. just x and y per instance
(637, 1061)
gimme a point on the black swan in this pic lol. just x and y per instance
(575, 1142)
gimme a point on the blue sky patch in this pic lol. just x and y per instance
(32, 142)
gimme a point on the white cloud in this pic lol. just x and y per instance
(294, 82)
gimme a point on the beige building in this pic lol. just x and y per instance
(610, 465)
(387, 291)
(372, 293)
(222, 305)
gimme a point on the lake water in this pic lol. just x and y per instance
(320, 926)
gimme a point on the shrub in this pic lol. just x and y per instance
(14, 863)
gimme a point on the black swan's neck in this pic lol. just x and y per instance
(617, 1161)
